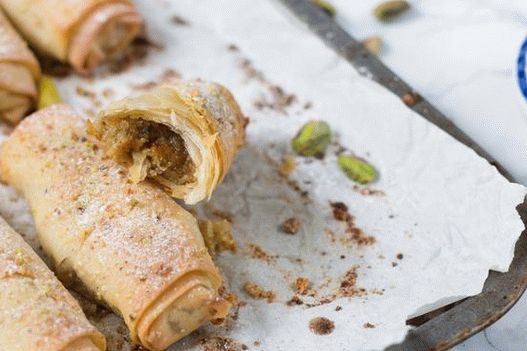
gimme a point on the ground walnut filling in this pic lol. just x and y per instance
(150, 149)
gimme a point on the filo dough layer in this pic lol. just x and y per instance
(19, 72)
(81, 32)
(130, 245)
(36, 312)
(184, 135)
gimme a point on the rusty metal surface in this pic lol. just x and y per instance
(442, 329)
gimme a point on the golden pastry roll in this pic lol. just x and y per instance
(184, 136)
(19, 71)
(130, 245)
(81, 32)
(36, 312)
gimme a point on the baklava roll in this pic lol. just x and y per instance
(82, 33)
(36, 312)
(19, 71)
(184, 136)
(130, 245)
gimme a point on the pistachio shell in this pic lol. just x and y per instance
(326, 6)
(356, 169)
(388, 10)
(373, 44)
(47, 93)
(312, 139)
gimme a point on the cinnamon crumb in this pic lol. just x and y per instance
(353, 234)
(301, 285)
(233, 47)
(348, 284)
(400, 256)
(338, 308)
(290, 226)
(220, 343)
(368, 325)
(321, 326)
(258, 253)
(295, 300)
(256, 292)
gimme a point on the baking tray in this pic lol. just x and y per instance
(450, 325)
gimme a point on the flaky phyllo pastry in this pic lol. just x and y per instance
(19, 71)
(81, 32)
(131, 246)
(184, 136)
(36, 312)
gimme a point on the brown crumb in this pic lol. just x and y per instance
(295, 300)
(321, 326)
(338, 308)
(218, 236)
(287, 166)
(290, 226)
(257, 343)
(308, 105)
(366, 191)
(220, 343)
(179, 21)
(400, 256)
(340, 211)
(258, 253)
(368, 325)
(410, 99)
(256, 292)
(348, 284)
(353, 234)
(86, 93)
(394, 264)
(301, 285)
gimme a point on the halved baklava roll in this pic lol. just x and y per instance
(184, 136)
(19, 71)
(130, 245)
(82, 33)
(36, 312)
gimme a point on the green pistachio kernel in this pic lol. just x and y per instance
(388, 10)
(373, 44)
(312, 139)
(326, 6)
(356, 169)
(47, 93)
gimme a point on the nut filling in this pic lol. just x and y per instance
(150, 150)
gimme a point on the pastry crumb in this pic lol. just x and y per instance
(368, 325)
(321, 326)
(221, 343)
(287, 166)
(256, 292)
(218, 236)
(290, 226)
(302, 285)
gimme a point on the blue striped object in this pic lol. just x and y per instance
(522, 80)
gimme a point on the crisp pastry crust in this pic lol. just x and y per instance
(19, 71)
(80, 32)
(36, 312)
(109, 234)
(184, 136)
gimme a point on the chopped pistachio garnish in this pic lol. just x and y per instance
(47, 93)
(356, 169)
(312, 139)
(373, 44)
(389, 10)
(326, 6)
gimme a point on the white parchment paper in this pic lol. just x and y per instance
(446, 210)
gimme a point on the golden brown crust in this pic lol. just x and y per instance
(111, 234)
(36, 311)
(204, 114)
